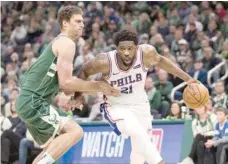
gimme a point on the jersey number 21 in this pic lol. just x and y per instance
(126, 90)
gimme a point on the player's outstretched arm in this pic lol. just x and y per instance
(64, 48)
(151, 57)
(100, 64)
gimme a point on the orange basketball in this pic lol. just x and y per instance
(196, 95)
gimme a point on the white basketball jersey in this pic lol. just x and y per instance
(131, 82)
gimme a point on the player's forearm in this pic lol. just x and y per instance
(83, 76)
(172, 68)
(79, 85)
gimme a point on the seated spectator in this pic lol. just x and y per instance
(170, 37)
(209, 62)
(13, 96)
(153, 32)
(10, 138)
(220, 98)
(190, 36)
(184, 56)
(199, 73)
(220, 139)
(154, 96)
(175, 46)
(27, 145)
(224, 26)
(164, 87)
(175, 111)
(203, 126)
(84, 57)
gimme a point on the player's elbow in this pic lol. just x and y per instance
(63, 85)
(158, 60)
(82, 74)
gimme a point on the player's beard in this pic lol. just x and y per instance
(125, 64)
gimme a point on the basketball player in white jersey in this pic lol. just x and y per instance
(126, 68)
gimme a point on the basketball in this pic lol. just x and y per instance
(196, 95)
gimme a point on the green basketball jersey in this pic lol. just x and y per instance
(41, 80)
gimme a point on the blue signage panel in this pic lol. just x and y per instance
(102, 146)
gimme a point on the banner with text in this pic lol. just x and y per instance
(102, 146)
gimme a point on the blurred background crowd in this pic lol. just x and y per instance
(194, 35)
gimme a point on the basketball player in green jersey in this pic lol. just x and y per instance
(52, 72)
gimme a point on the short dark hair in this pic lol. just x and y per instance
(220, 108)
(125, 35)
(66, 12)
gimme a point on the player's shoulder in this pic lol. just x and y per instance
(102, 59)
(63, 44)
(146, 48)
(63, 41)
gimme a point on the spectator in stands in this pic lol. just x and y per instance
(190, 36)
(173, 17)
(28, 149)
(184, 11)
(86, 55)
(175, 111)
(144, 23)
(162, 24)
(192, 20)
(11, 84)
(198, 72)
(224, 26)
(184, 56)
(175, 46)
(19, 33)
(13, 97)
(153, 32)
(220, 98)
(10, 138)
(210, 61)
(154, 96)
(164, 87)
(212, 29)
(158, 43)
(203, 127)
(96, 33)
(220, 139)
(170, 37)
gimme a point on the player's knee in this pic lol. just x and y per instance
(77, 133)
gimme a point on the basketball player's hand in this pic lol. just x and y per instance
(107, 89)
(192, 81)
